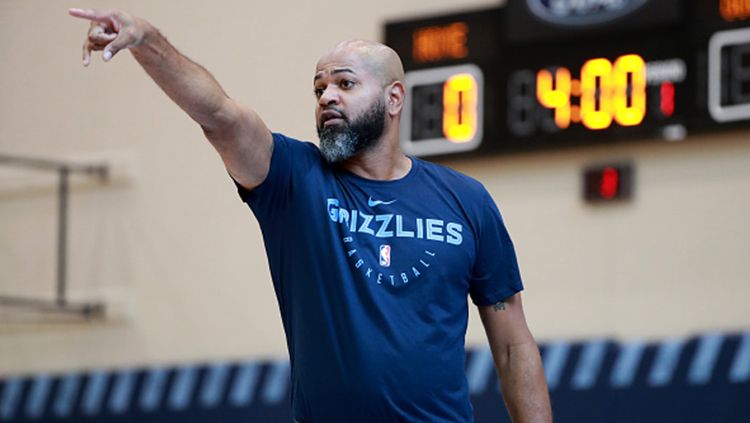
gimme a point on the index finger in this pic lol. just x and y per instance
(91, 14)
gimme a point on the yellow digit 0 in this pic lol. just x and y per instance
(630, 64)
(460, 108)
(594, 117)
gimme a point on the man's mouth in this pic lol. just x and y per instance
(332, 121)
(331, 117)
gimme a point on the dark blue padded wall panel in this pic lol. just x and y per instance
(700, 379)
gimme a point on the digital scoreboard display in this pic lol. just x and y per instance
(550, 73)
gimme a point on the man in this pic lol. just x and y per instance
(372, 253)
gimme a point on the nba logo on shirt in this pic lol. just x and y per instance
(385, 255)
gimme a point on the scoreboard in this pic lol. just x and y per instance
(551, 73)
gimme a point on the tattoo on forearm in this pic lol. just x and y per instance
(500, 305)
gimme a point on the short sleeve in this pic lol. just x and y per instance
(272, 196)
(495, 275)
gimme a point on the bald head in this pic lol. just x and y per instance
(378, 59)
(360, 92)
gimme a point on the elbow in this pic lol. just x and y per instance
(220, 124)
(510, 355)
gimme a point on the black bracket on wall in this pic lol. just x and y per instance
(63, 169)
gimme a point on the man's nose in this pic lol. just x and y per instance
(330, 96)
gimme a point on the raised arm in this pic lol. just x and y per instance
(237, 132)
(517, 361)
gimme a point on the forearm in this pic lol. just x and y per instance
(239, 135)
(523, 383)
(187, 83)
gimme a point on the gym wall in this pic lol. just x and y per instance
(178, 258)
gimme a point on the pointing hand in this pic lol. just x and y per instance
(110, 31)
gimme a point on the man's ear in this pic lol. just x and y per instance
(395, 94)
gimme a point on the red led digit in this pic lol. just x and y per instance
(610, 183)
(667, 98)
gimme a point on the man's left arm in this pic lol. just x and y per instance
(517, 361)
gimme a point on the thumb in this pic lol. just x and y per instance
(122, 41)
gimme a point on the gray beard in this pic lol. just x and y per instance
(342, 142)
(338, 145)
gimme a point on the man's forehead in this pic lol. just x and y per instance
(338, 61)
(361, 58)
(334, 71)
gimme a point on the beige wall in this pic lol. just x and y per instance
(179, 258)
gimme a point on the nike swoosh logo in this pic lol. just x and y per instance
(373, 203)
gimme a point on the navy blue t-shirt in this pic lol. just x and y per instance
(372, 279)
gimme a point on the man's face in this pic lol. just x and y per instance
(351, 108)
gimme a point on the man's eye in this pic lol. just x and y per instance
(318, 92)
(347, 83)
